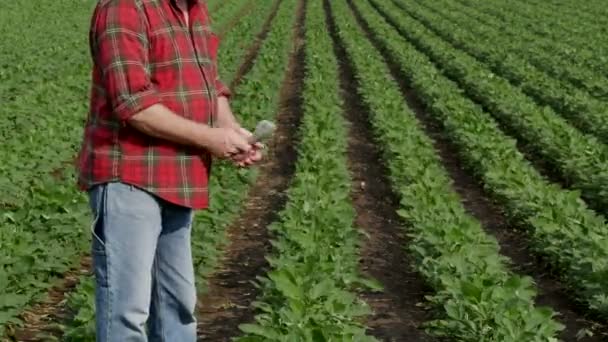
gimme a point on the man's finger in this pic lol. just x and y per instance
(239, 156)
(242, 146)
(231, 153)
(256, 157)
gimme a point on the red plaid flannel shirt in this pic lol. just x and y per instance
(144, 54)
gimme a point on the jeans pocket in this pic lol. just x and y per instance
(98, 199)
(98, 248)
(98, 245)
(100, 258)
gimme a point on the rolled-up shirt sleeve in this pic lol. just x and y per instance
(222, 89)
(120, 51)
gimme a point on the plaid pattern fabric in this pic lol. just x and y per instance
(144, 54)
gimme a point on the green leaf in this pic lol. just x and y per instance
(259, 331)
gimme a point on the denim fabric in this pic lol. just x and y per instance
(143, 266)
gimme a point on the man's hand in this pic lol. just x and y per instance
(225, 119)
(253, 156)
(226, 143)
(222, 142)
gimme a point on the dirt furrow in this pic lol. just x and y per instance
(231, 290)
(477, 201)
(397, 315)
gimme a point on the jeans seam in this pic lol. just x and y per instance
(159, 302)
(109, 295)
(103, 210)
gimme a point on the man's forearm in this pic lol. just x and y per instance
(160, 122)
(225, 118)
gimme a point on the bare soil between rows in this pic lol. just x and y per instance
(397, 315)
(227, 304)
(510, 235)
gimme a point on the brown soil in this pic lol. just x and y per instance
(231, 289)
(39, 319)
(254, 49)
(513, 243)
(246, 8)
(397, 315)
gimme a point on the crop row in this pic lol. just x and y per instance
(234, 45)
(590, 12)
(587, 50)
(581, 109)
(478, 297)
(567, 25)
(524, 52)
(595, 10)
(571, 16)
(538, 50)
(226, 13)
(572, 237)
(229, 185)
(581, 159)
(307, 293)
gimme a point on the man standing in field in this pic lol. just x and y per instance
(158, 114)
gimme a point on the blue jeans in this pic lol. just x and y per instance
(143, 267)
